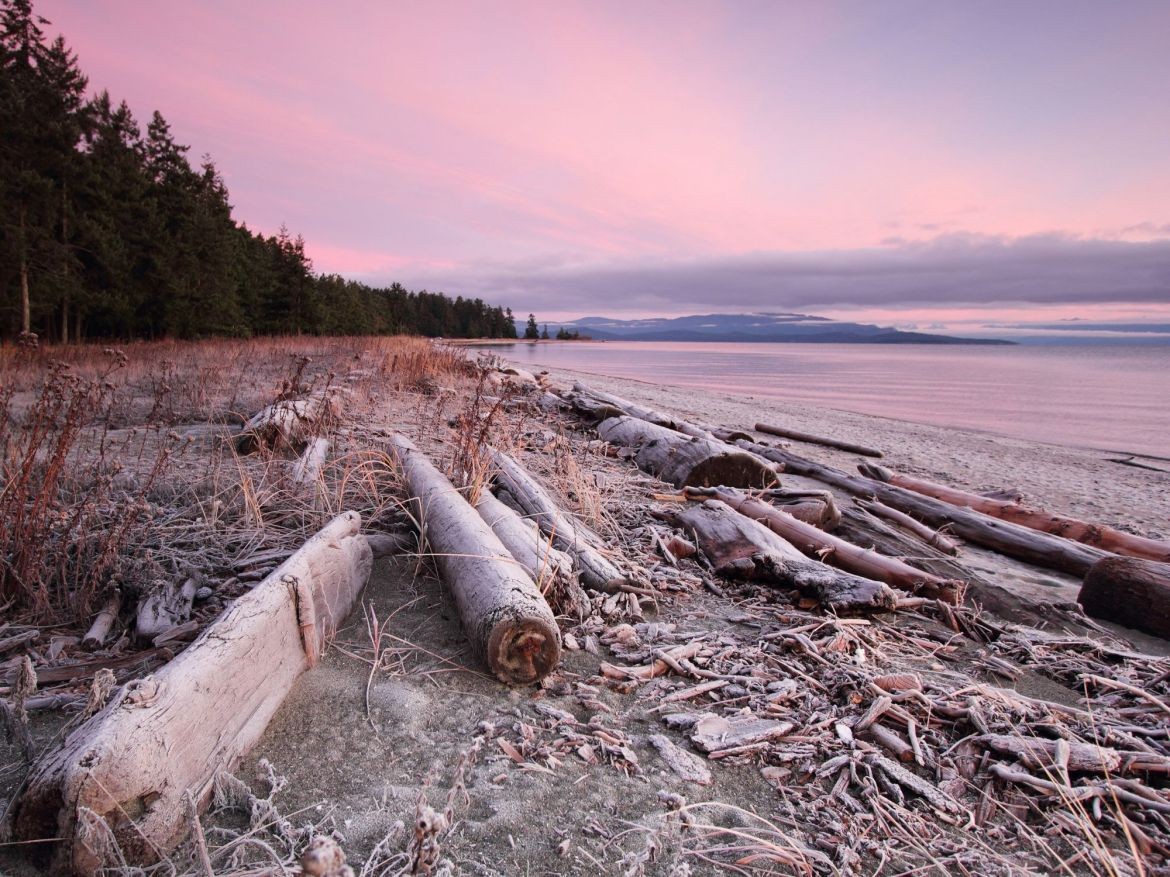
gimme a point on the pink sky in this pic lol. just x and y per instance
(465, 145)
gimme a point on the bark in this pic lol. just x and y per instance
(506, 618)
(550, 568)
(1032, 546)
(166, 608)
(687, 461)
(1097, 535)
(835, 551)
(25, 304)
(1131, 592)
(169, 734)
(741, 548)
(572, 537)
(818, 440)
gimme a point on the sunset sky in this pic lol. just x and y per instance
(916, 163)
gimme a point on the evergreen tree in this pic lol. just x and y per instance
(531, 331)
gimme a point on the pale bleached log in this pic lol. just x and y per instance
(687, 461)
(309, 465)
(1098, 535)
(602, 405)
(550, 568)
(741, 548)
(507, 620)
(169, 734)
(574, 538)
(95, 637)
(168, 606)
(289, 423)
(835, 551)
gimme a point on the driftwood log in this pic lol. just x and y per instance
(1022, 543)
(686, 461)
(1129, 591)
(95, 637)
(164, 608)
(934, 538)
(506, 618)
(290, 423)
(550, 568)
(810, 439)
(1097, 535)
(862, 528)
(169, 734)
(741, 548)
(309, 465)
(519, 487)
(601, 405)
(835, 551)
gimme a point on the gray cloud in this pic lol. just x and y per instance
(956, 269)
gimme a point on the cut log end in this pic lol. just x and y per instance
(1131, 592)
(742, 470)
(524, 651)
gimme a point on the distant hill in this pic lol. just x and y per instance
(783, 328)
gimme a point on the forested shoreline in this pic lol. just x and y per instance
(107, 231)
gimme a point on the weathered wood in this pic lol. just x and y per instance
(506, 618)
(550, 568)
(1039, 753)
(168, 606)
(596, 570)
(100, 629)
(1098, 535)
(741, 548)
(309, 465)
(1129, 591)
(1032, 546)
(683, 763)
(712, 733)
(934, 538)
(686, 460)
(808, 438)
(835, 551)
(169, 734)
(290, 423)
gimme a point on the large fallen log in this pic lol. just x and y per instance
(169, 734)
(1022, 543)
(741, 548)
(835, 551)
(596, 570)
(863, 529)
(1129, 591)
(506, 618)
(601, 406)
(810, 439)
(686, 461)
(1097, 535)
(550, 568)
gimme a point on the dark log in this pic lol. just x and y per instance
(835, 551)
(808, 438)
(1131, 592)
(934, 538)
(1022, 543)
(170, 734)
(506, 618)
(687, 461)
(741, 548)
(1098, 535)
(596, 570)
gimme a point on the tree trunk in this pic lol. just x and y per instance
(1131, 592)
(1013, 540)
(687, 461)
(504, 615)
(1098, 535)
(551, 569)
(25, 304)
(845, 555)
(741, 548)
(171, 733)
(818, 440)
(572, 537)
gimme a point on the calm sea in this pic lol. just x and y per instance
(1112, 398)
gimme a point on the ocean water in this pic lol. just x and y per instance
(1112, 398)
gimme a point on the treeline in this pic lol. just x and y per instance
(109, 232)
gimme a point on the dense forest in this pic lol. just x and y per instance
(107, 232)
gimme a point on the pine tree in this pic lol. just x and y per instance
(531, 331)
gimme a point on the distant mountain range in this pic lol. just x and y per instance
(787, 328)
